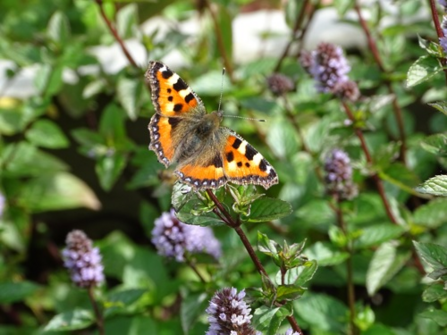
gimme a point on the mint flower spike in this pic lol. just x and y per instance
(443, 40)
(279, 84)
(338, 176)
(229, 314)
(173, 238)
(82, 260)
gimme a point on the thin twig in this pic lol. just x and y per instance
(192, 265)
(349, 272)
(396, 108)
(369, 159)
(116, 35)
(98, 314)
(220, 43)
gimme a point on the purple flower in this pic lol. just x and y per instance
(339, 175)
(443, 40)
(173, 238)
(291, 332)
(347, 90)
(82, 260)
(443, 3)
(229, 314)
(279, 84)
(2, 204)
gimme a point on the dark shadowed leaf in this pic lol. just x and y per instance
(13, 292)
(435, 144)
(47, 134)
(109, 168)
(437, 315)
(434, 292)
(432, 254)
(191, 308)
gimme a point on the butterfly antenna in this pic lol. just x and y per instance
(221, 89)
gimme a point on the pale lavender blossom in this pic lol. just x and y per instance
(443, 40)
(229, 314)
(173, 238)
(338, 176)
(82, 260)
(291, 332)
(443, 3)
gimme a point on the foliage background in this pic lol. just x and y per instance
(74, 155)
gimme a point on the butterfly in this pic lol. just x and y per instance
(183, 133)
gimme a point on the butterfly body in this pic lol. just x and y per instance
(182, 133)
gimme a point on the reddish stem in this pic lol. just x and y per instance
(439, 31)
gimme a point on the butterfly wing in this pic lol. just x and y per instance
(233, 160)
(175, 106)
(243, 164)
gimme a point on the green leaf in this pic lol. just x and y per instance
(435, 144)
(385, 263)
(72, 320)
(58, 191)
(47, 134)
(196, 212)
(10, 121)
(48, 80)
(432, 254)
(289, 292)
(422, 70)
(111, 126)
(303, 273)
(379, 329)
(118, 302)
(109, 168)
(281, 137)
(326, 254)
(268, 319)
(191, 308)
(375, 235)
(267, 209)
(126, 20)
(129, 92)
(437, 315)
(323, 312)
(440, 106)
(431, 215)
(435, 186)
(267, 246)
(434, 292)
(135, 324)
(342, 6)
(58, 28)
(16, 291)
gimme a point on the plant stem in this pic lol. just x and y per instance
(192, 265)
(220, 43)
(369, 159)
(349, 272)
(98, 314)
(236, 225)
(439, 31)
(396, 108)
(116, 35)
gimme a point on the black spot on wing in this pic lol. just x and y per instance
(180, 85)
(217, 161)
(178, 107)
(170, 98)
(230, 156)
(174, 121)
(250, 152)
(239, 164)
(247, 164)
(263, 165)
(169, 90)
(167, 74)
(189, 97)
(237, 143)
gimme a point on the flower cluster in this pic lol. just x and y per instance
(173, 238)
(338, 176)
(279, 84)
(291, 332)
(229, 314)
(330, 69)
(443, 40)
(82, 260)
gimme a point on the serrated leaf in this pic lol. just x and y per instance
(437, 315)
(191, 308)
(432, 214)
(432, 254)
(268, 319)
(118, 301)
(422, 70)
(384, 265)
(375, 235)
(267, 246)
(267, 209)
(72, 320)
(434, 292)
(108, 169)
(440, 106)
(129, 92)
(304, 273)
(16, 291)
(192, 213)
(435, 186)
(58, 28)
(58, 191)
(289, 292)
(326, 254)
(435, 144)
(47, 134)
